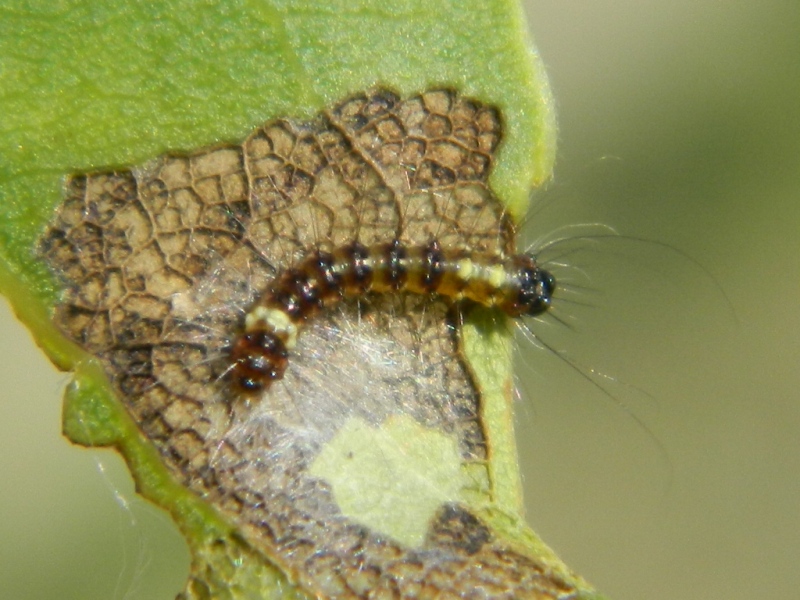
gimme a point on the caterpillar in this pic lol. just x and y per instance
(516, 285)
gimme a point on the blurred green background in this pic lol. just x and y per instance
(679, 124)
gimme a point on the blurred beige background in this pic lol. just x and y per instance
(679, 124)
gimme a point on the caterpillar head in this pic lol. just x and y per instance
(536, 287)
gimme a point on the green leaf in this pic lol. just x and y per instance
(85, 86)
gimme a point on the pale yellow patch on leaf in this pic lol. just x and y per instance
(391, 478)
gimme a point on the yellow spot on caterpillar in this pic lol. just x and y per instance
(276, 320)
(497, 276)
(466, 269)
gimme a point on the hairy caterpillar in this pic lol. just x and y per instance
(515, 285)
